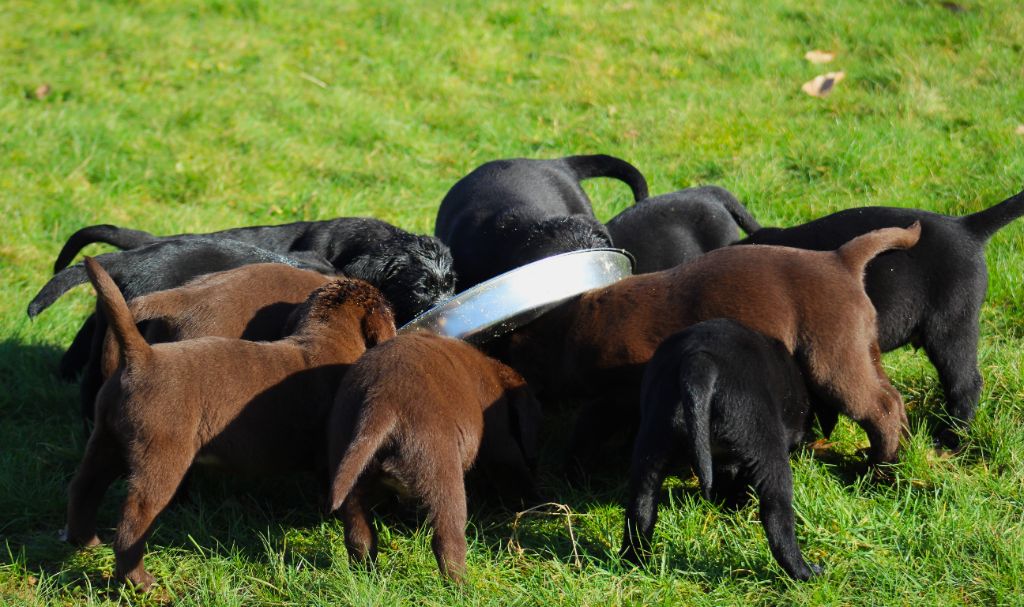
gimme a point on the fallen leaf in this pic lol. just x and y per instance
(817, 56)
(1020, 129)
(42, 91)
(953, 7)
(822, 85)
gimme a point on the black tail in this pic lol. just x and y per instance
(739, 213)
(602, 165)
(57, 286)
(122, 238)
(986, 223)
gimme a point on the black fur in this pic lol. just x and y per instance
(671, 229)
(413, 271)
(507, 213)
(929, 296)
(732, 404)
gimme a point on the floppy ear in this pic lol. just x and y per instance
(378, 324)
(524, 415)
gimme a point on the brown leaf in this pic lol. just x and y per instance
(1020, 129)
(822, 85)
(42, 91)
(817, 56)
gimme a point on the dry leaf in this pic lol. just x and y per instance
(1020, 129)
(822, 85)
(42, 91)
(817, 56)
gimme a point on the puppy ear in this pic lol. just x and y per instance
(378, 324)
(524, 415)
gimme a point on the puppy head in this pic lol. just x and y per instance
(341, 305)
(562, 235)
(414, 272)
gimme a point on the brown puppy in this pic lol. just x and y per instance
(813, 302)
(248, 405)
(418, 409)
(251, 302)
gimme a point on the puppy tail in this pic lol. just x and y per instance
(121, 238)
(112, 302)
(602, 165)
(856, 253)
(739, 213)
(986, 223)
(697, 385)
(55, 287)
(370, 435)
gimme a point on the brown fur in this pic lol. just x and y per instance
(813, 302)
(418, 409)
(250, 406)
(251, 302)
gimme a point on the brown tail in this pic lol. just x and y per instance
(856, 253)
(370, 434)
(132, 344)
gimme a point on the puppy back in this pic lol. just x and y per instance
(133, 346)
(856, 253)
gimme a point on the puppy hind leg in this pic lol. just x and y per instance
(442, 487)
(153, 483)
(360, 536)
(652, 451)
(953, 349)
(775, 490)
(101, 464)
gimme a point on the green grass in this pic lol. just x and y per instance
(178, 116)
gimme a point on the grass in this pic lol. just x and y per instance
(179, 116)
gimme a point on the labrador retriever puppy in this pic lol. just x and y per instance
(250, 406)
(421, 410)
(597, 344)
(507, 213)
(929, 296)
(667, 230)
(732, 404)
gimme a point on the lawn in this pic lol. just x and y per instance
(194, 116)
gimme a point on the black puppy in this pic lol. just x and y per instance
(414, 272)
(671, 229)
(731, 403)
(929, 296)
(507, 213)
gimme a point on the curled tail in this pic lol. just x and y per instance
(55, 287)
(602, 165)
(119, 317)
(696, 385)
(986, 223)
(370, 434)
(121, 238)
(856, 253)
(740, 214)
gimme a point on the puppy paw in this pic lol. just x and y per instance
(86, 542)
(816, 570)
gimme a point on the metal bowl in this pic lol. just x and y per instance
(499, 305)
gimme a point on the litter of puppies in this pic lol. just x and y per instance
(275, 348)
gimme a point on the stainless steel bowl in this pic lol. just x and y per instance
(499, 305)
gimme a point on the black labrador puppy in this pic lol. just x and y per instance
(670, 229)
(413, 271)
(732, 404)
(929, 296)
(507, 213)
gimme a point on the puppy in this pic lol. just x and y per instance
(597, 343)
(929, 296)
(249, 406)
(252, 302)
(420, 409)
(667, 230)
(507, 213)
(413, 271)
(732, 404)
